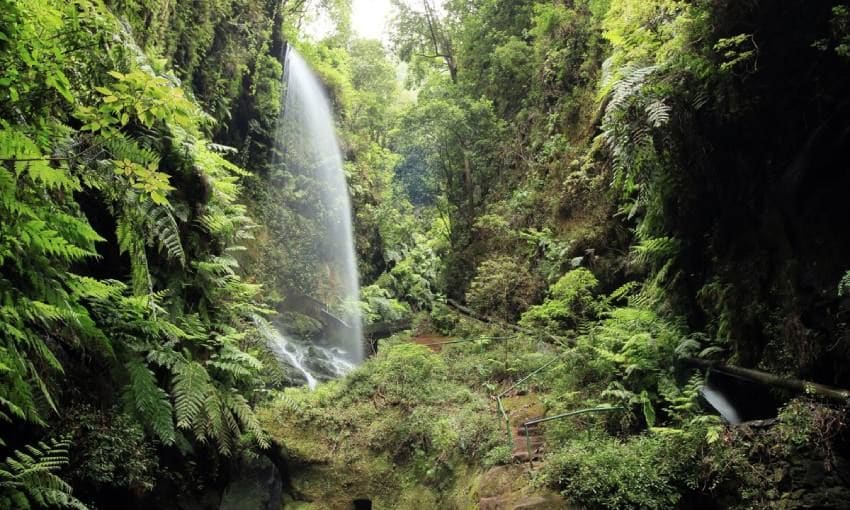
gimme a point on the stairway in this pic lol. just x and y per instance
(510, 487)
(527, 450)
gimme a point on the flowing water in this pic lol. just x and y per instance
(719, 401)
(311, 361)
(307, 148)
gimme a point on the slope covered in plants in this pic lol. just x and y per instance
(620, 190)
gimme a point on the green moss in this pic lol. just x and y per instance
(398, 431)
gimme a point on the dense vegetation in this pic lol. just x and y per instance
(613, 186)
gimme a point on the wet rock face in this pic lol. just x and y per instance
(508, 488)
(816, 483)
(256, 485)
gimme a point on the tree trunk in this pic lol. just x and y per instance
(769, 379)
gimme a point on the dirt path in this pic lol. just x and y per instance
(431, 340)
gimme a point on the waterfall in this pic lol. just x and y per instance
(722, 404)
(305, 359)
(308, 152)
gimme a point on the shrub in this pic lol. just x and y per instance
(378, 305)
(497, 456)
(647, 472)
(570, 302)
(502, 286)
(403, 373)
(110, 450)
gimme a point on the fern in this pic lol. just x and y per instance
(163, 228)
(654, 251)
(131, 243)
(844, 285)
(174, 329)
(191, 387)
(236, 363)
(149, 401)
(658, 113)
(242, 410)
(28, 477)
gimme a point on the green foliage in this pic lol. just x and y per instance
(423, 36)
(839, 36)
(644, 472)
(110, 450)
(499, 455)
(149, 400)
(502, 286)
(407, 374)
(553, 250)
(41, 237)
(637, 345)
(400, 420)
(571, 302)
(844, 284)
(378, 305)
(99, 136)
(28, 478)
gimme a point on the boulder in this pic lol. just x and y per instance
(256, 485)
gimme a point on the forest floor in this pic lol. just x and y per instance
(434, 342)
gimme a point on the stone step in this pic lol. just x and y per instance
(522, 456)
(534, 442)
(534, 427)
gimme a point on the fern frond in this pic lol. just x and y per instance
(844, 285)
(149, 401)
(658, 113)
(163, 228)
(29, 476)
(240, 407)
(190, 388)
(659, 249)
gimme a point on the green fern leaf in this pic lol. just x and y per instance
(190, 388)
(149, 401)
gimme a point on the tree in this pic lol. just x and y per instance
(423, 31)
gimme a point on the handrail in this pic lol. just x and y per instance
(501, 407)
(470, 339)
(502, 394)
(560, 416)
(507, 422)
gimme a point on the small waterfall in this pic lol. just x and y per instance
(313, 362)
(293, 355)
(307, 149)
(722, 404)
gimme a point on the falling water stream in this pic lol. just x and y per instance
(308, 147)
(721, 403)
